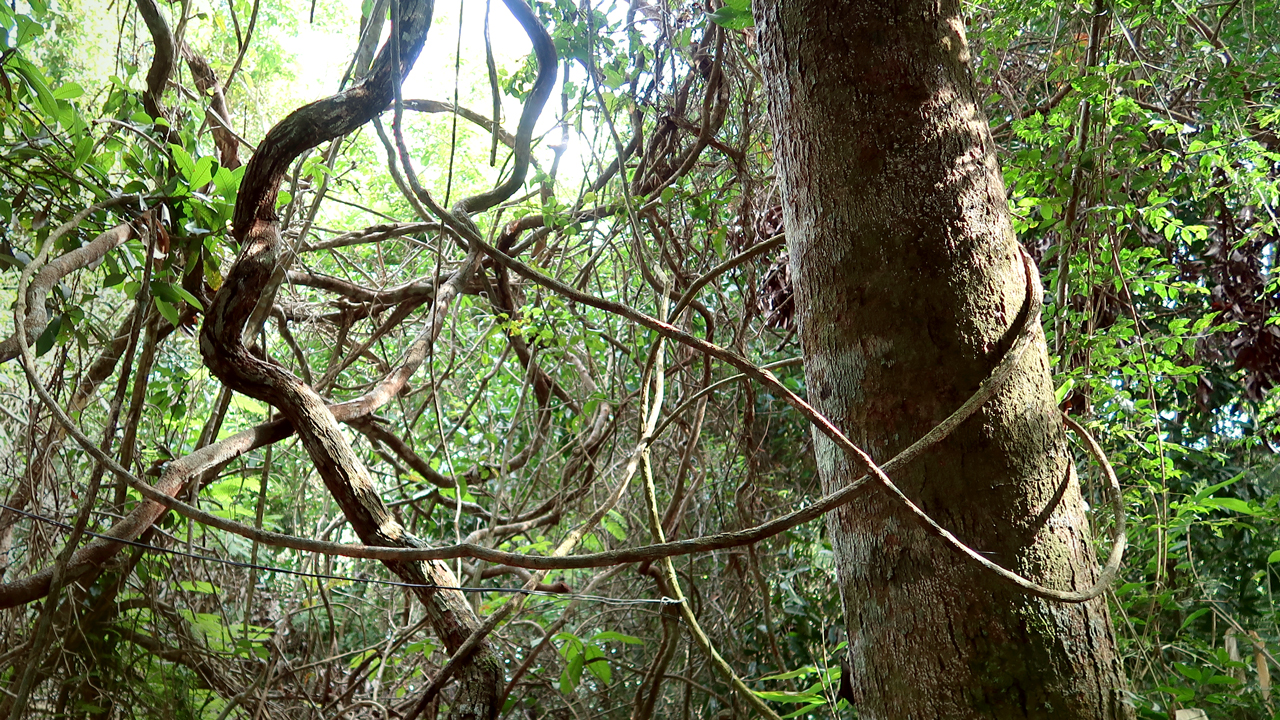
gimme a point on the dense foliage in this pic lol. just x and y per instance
(1141, 155)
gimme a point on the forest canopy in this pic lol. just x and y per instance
(507, 286)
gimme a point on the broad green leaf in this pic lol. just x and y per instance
(595, 662)
(1188, 671)
(199, 586)
(175, 294)
(360, 657)
(202, 173)
(45, 342)
(84, 149)
(168, 311)
(1061, 393)
(732, 18)
(227, 182)
(182, 158)
(1192, 617)
(68, 91)
(1233, 504)
(611, 635)
(572, 674)
(36, 81)
(614, 528)
(1210, 490)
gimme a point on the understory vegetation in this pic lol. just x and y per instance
(536, 410)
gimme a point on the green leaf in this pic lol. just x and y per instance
(68, 91)
(84, 149)
(1233, 504)
(360, 658)
(790, 697)
(1182, 694)
(199, 586)
(186, 166)
(28, 29)
(209, 623)
(1210, 490)
(45, 342)
(801, 672)
(806, 709)
(175, 294)
(615, 529)
(572, 674)
(611, 635)
(426, 646)
(227, 182)
(1061, 393)
(1188, 671)
(35, 80)
(597, 665)
(1274, 557)
(167, 310)
(1191, 618)
(202, 173)
(732, 18)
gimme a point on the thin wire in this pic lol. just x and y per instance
(323, 576)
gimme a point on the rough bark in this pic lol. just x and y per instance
(161, 61)
(908, 289)
(218, 115)
(257, 227)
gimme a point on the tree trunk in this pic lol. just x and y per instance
(909, 289)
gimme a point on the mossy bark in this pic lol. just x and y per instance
(909, 289)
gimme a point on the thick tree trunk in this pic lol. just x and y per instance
(909, 289)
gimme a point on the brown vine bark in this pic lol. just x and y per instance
(218, 115)
(161, 61)
(37, 315)
(257, 227)
(180, 472)
(907, 284)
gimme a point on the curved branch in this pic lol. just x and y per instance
(177, 474)
(1030, 318)
(373, 234)
(37, 316)
(545, 50)
(436, 106)
(418, 291)
(324, 120)
(161, 60)
(222, 344)
(224, 138)
(244, 42)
